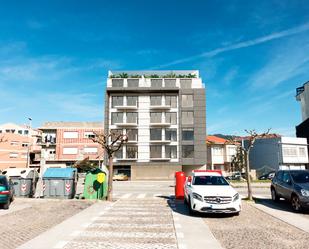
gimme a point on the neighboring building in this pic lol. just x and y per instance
(302, 95)
(19, 144)
(164, 115)
(64, 143)
(220, 153)
(269, 154)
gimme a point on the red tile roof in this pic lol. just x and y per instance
(216, 140)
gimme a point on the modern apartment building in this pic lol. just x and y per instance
(64, 143)
(302, 95)
(19, 146)
(274, 152)
(164, 115)
(220, 153)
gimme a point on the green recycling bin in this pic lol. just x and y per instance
(95, 185)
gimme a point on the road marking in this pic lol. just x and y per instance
(61, 244)
(140, 196)
(126, 196)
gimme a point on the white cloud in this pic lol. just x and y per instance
(244, 44)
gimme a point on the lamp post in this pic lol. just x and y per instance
(29, 142)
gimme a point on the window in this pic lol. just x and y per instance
(188, 134)
(132, 134)
(188, 151)
(14, 143)
(0, 131)
(117, 82)
(132, 82)
(115, 133)
(131, 152)
(286, 176)
(132, 117)
(171, 151)
(302, 151)
(170, 82)
(155, 100)
(171, 101)
(187, 100)
(185, 83)
(118, 154)
(70, 151)
(132, 100)
(89, 134)
(156, 117)
(187, 117)
(156, 82)
(289, 151)
(117, 101)
(217, 151)
(13, 155)
(171, 134)
(209, 180)
(91, 150)
(117, 117)
(155, 151)
(171, 117)
(20, 132)
(26, 132)
(70, 134)
(155, 134)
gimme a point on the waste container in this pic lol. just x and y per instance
(179, 185)
(24, 179)
(59, 183)
(95, 185)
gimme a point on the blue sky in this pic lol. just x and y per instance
(54, 56)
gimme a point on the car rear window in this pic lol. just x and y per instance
(209, 180)
(3, 182)
(300, 177)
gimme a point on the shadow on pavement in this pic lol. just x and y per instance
(281, 205)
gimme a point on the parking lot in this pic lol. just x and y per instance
(255, 227)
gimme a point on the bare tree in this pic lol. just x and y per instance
(111, 143)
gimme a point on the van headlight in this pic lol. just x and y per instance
(236, 197)
(197, 196)
(304, 192)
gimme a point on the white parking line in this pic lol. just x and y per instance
(140, 196)
(60, 244)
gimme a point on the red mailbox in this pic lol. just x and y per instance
(179, 186)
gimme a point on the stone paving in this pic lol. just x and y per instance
(146, 224)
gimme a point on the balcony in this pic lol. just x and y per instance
(126, 107)
(160, 141)
(160, 159)
(160, 107)
(159, 124)
(125, 124)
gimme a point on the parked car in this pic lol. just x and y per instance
(268, 176)
(209, 192)
(6, 192)
(292, 185)
(120, 177)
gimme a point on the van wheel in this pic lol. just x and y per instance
(295, 203)
(274, 195)
(6, 205)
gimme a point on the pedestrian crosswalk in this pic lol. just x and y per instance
(140, 195)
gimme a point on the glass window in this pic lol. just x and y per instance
(132, 82)
(171, 101)
(156, 82)
(171, 134)
(132, 100)
(187, 117)
(26, 132)
(170, 82)
(155, 134)
(279, 175)
(118, 154)
(218, 151)
(89, 134)
(117, 101)
(171, 151)
(70, 151)
(132, 134)
(117, 117)
(188, 134)
(300, 176)
(70, 134)
(286, 176)
(186, 83)
(187, 100)
(155, 151)
(115, 133)
(19, 132)
(302, 151)
(289, 151)
(132, 117)
(131, 151)
(171, 117)
(188, 151)
(91, 150)
(117, 82)
(209, 180)
(155, 100)
(156, 117)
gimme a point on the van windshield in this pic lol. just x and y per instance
(209, 180)
(300, 176)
